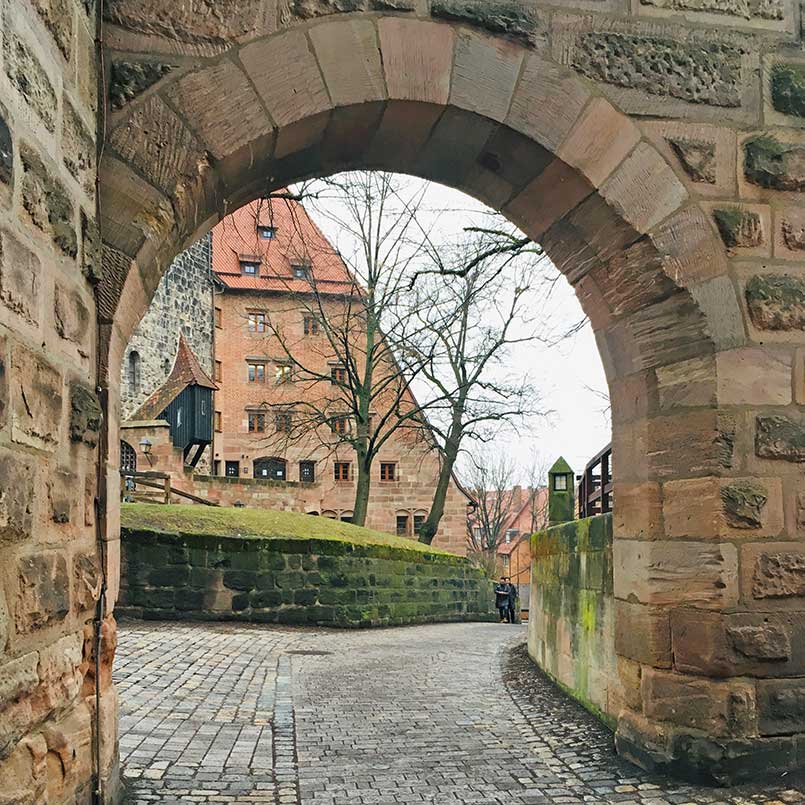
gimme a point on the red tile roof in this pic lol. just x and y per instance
(297, 239)
(186, 372)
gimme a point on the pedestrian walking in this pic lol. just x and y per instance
(513, 596)
(502, 599)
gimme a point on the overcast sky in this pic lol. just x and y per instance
(569, 374)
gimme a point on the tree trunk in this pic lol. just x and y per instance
(431, 525)
(361, 506)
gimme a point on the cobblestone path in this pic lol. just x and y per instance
(444, 714)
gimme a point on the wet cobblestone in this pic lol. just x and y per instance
(444, 714)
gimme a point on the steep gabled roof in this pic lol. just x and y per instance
(297, 240)
(186, 372)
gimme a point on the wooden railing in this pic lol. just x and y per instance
(157, 480)
(595, 485)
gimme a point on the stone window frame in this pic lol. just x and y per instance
(339, 424)
(256, 421)
(134, 372)
(283, 421)
(342, 471)
(283, 372)
(218, 371)
(218, 422)
(338, 374)
(309, 463)
(388, 472)
(402, 529)
(257, 320)
(228, 465)
(218, 315)
(311, 325)
(262, 229)
(256, 371)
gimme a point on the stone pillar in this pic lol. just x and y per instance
(561, 493)
(50, 416)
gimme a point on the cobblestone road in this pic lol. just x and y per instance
(445, 714)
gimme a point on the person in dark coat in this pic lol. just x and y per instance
(502, 599)
(513, 595)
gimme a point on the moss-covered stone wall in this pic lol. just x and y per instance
(295, 581)
(571, 629)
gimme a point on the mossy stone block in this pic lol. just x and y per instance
(788, 89)
(240, 579)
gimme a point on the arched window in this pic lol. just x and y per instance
(134, 371)
(329, 514)
(346, 517)
(270, 469)
(128, 457)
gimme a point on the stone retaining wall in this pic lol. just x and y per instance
(295, 581)
(571, 629)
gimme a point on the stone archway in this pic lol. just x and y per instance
(628, 145)
(615, 204)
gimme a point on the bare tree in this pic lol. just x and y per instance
(467, 325)
(353, 390)
(490, 480)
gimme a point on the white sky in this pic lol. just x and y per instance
(569, 375)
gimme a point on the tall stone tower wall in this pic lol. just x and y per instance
(182, 305)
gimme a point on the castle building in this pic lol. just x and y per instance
(265, 258)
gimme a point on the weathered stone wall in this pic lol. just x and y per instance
(50, 417)
(295, 581)
(182, 305)
(571, 621)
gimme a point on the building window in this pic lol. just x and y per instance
(511, 533)
(128, 457)
(257, 422)
(257, 372)
(346, 517)
(301, 271)
(216, 466)
(266, 232)
(282, 422)
(271, 469)
(402, 525)
(257, 322)
(218, 423)
(283, 373)
(219, 370)
(232, 469)
(219, 318)
(341, 470)
(560, 483)
(338, 374)
(179, 417)
(311, 325)
(419, 521)
(307, 471)
(329, 515)
(338, 424)
(388, 471)
(249, 267)
(134, 371)
(203, 408)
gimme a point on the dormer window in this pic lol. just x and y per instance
(300, 270)
(266, 232)
(249, 267)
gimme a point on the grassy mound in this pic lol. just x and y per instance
(256, 524)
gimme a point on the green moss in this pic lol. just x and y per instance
(288, 527)
(788, 89)
(729, 221)
(772, 164)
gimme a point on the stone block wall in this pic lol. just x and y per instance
(182, 305)
(571, 620)
(295, 581)
(50, 415)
